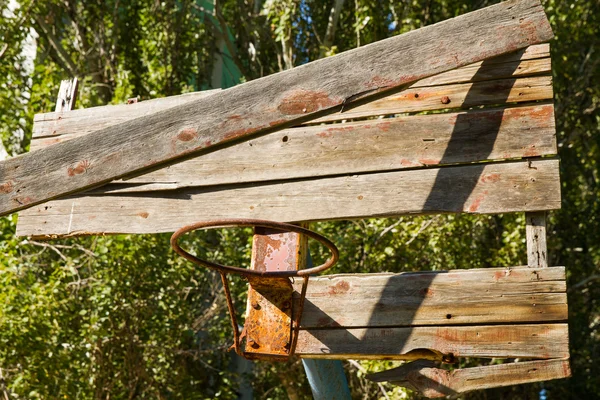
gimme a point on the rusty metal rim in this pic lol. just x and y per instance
(280, 226)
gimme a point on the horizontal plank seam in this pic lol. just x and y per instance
(445, 325)
(444, 272)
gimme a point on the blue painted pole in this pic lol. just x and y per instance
(326, 377)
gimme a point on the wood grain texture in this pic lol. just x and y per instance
(462, 95)
(83, 121)
(67, 95)
(267, 104)
(379, 145)
(496, 341)
(433, 382)
(535, 231)
(481, 296)
(488, 70)
(485, 188)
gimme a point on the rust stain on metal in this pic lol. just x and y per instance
(303, 101)
(187, 134)
(6, 187)
(80, 168)
(269, 319)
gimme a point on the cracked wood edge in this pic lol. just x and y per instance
(267, 104)
(431, 382)
(535, 231)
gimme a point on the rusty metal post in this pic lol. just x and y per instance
(268, 326)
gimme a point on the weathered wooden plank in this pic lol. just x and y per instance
(484, 188)
(284, 99)
(528, 53)
(67, 95)
(488, 71)
(490, 341)
(481, 296)
(462, 95)
(80, 122)
(380, 145)
(432, 382)
(535, 231)
(86, 120)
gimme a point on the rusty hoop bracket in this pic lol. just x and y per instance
(280, 226)
(253, 274)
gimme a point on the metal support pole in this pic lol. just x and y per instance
(326, 377)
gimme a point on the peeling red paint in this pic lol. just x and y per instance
(407, 163)
(384, 126)
(381, 82)
(490, 178)
(339, 288)
(23, 201)
(475, 205)
(187, 134)
(428, 161)
(277, 122)
(238, 133)
(329, 132)
(6, 187)
(80, 168)
(235, 117)
(531, 152)
(302, 101)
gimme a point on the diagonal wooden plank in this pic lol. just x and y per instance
(79, 122)
(269, 103)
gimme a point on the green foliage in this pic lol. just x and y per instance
(123, 317)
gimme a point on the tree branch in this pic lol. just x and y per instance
(65, 60)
